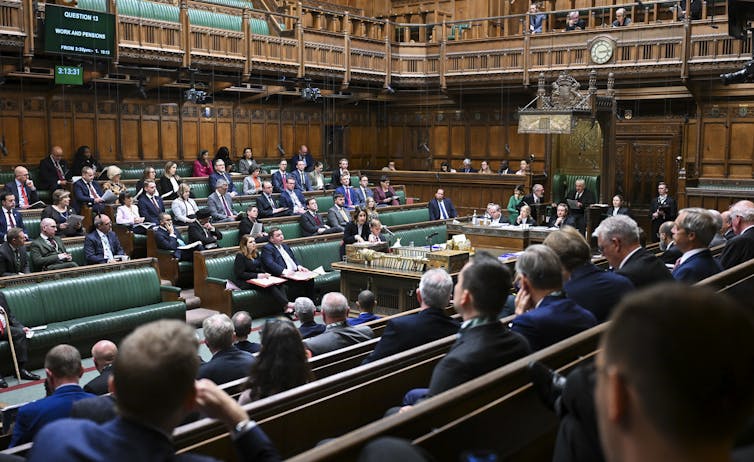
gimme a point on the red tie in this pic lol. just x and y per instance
(53, 243)
(317, 220)
(348, 196)
(93, 192)
(59, 171)
(11, 222)
(23, 194)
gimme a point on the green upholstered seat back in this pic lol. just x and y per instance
(25, 302)
(562, 183)
(404, 217)
(401, 196)
(183, 170)
(324, 203)
(318, 254)
(31, 224)
(419, 235)
(200, 190)
(230, 238)
(290, 230)
(220, 267)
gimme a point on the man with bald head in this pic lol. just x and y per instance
(53, 170)
(338, 333)
(47, 252)
(103, 355)
(23, 188)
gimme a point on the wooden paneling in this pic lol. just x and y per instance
(741, 141)
(106, 145)
(714, 136)
(190, 140)
(150, 138)
(207, 138)
(129, 129)
(478, 141)
(169, 140)
(258, 139)
(458, 141)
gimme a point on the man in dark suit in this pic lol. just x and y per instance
(338, 173)
(241, 330)
(305, 310)
(467, 167)
(693, 231)
(63, 369)
(663, 208)
(544, 315)
(301, 177)
(279, 176)
(311, 223)
(9, 215)
(23, 188)
(86, 191)
(150, 203)
(168, 238)
(292, 199)
(154, 405)
(305, 156)
(431, 323)
(221, 174)
(618, 240)
(483, 342)
(278, 260)
(102, 245)
(202, 230)
(670, 252)
(534, 200)
(266, 204)
(99, 409)
(103, 355)
(53, 170)
(228, 363)
(741, 248)
(338, 333)
(727, 228)
(596, 290)
(48, 251)
(441, 208)
(351, 196)
(13, 258)
(562, 218)
(17, 331)
(584, 198)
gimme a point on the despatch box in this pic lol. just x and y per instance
(352, 250)
(451, 260)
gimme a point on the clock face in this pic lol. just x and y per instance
(602, 51)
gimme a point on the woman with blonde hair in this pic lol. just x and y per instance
(184, 207)
(169, 181)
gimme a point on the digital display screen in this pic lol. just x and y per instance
(79, 32)
(69, 75)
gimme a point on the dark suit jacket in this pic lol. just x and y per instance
(671, 254)
(738, 250)
(273, 262)
(556, 318)
(266, 207)
(121, 440)
(335, 178)
(98, 385)
(8, 265)
(467, 170)
(197, 233)
(597, 290)
(670, 208)
(225, 176)
(697, 267)
(529, 200)
(356, 198)
(286, 201)
(247, 346)
(227, 365)
(278, 181)
(33, 416)
(4, 221)
(167, 242)
(99, 409)
(93, 250)
(81, 196)
(587, 199)
(308, 158)
(644, 269)
(148, 211)
(477, 350)
(621, 211)
(310, 329)
(569, 221)
(309, 224)
(43, 255)
(406, 332)
(166, 186)
(352, 229)
(306, 185)
(434, 209)
(48, 175)
(31, 194)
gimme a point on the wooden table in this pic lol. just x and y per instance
(395, 290)
(508, 238)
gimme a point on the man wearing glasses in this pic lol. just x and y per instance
(102, 245)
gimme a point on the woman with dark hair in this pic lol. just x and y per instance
(618, 208)
(169, 181)
(356, 230)
(246, 162)
(514, 203)
(224, 153)
(202, 164)
(248, 220)
(59, 211)
(252, 184)
(384, 194)
(85, 158)
(248, 265)
(128, 214)
(282, 363)
(149, 174)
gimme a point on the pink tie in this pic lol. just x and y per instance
(93, 192)
(225, 204)
(348, 196)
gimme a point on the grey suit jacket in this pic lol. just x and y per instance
(335, 219)
(337, 336)
(215, 206)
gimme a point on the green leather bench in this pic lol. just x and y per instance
(563, 182)
(404, 217)
(290, 230)
(321, 254)
(324, 203)
(200, 190)
(81, 309)
(419, 235)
